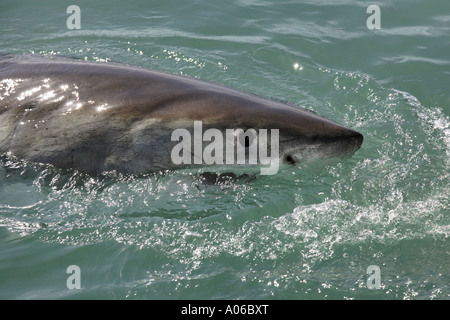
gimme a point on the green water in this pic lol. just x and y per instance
(309, 232)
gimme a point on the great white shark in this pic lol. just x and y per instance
(97, 117)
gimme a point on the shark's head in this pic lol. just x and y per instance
(216, 125)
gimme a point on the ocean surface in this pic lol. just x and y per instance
(373, 226)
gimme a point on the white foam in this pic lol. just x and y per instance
(435, 117)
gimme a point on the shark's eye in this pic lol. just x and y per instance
(247, 138)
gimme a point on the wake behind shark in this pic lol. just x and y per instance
(97, 117)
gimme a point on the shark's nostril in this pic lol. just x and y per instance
(289, 159)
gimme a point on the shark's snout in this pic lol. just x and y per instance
(336, 141)
(358, 139)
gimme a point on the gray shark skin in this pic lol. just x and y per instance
(97, 117)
